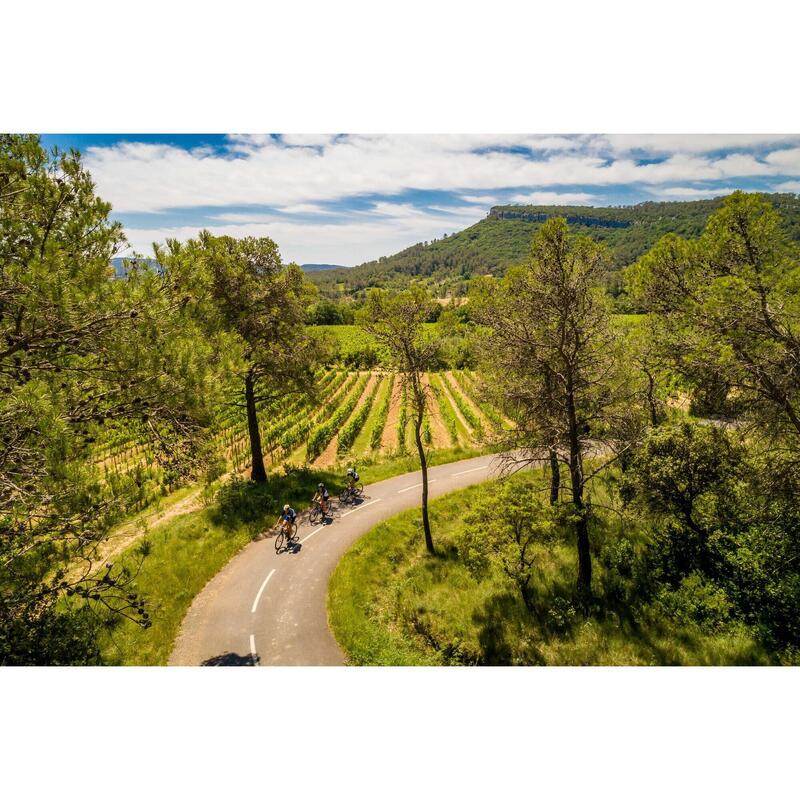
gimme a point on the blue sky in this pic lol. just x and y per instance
(346, 199)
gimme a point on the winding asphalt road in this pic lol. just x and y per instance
(268, 608)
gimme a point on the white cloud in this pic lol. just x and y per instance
(691, 193)
(304, 208)
(553, 198)
(788, 186)
(689, 143)
(483, 199)
(366, 237)
(139, 177)
(307, 139)
(460, 210)
(787, 160)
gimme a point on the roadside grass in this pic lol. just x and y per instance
(389, 603)
(182, 556)
(176, 560)
(184, 553)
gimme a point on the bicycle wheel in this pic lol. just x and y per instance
(359, 490)
(344, 497)
(315, 515)
(279, 539)
(292, 533)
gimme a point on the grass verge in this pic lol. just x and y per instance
(389, 603)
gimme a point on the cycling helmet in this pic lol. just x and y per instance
(286, 507)
(320, 486)
(350, 471)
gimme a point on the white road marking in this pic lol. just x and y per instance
(312, 533)
(260, 592)
(253, 649)
(464, 472)
(415, 486)
(363, 505)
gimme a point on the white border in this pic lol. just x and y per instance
(420, 66)
(428, 66)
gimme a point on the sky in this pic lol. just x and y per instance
(349, 198)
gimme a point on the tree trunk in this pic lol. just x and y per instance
(584, 553)
(555, 476)
(423, 462)
(576, 479)
(257, 473)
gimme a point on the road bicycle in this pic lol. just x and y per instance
(350, 493)
(316, 514)
(286, 536)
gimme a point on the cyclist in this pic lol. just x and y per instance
(352, 482)
(352, 478)
(287, 519)
(322, 496)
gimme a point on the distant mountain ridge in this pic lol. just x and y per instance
(119, 265)
(320, 267)
(504, 236)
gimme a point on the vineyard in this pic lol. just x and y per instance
(353, 416)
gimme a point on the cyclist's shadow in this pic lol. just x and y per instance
(341, 508)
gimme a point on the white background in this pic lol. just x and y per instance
(445, 67)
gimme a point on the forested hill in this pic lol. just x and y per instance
(504, 236)
(318, 267)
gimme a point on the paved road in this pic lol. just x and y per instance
(268, 608)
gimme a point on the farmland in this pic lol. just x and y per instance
(353, 416)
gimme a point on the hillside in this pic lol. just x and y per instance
(319, 267)
(503, 238)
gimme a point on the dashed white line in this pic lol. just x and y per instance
(253, 649)
(474, 469)
(260, 592)
(312, 533)
(415, 486)
(363, 505)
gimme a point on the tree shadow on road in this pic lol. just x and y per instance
(229, 660)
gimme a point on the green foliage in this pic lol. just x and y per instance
(376, 434)
(326, 312)
(466, 409)
(447, 265)
(726, 309)
(390, 604)
(474, 393)
(348, 434)
(402, 420)
(83, 359)
(354, 347)
(513, 530)
(446, 412)
(726, 530)
(321, 436)
(686, 471)
(427, 435)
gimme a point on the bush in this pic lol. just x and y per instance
(697, 600)
(561, 615)
(244, 501)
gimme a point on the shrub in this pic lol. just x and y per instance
(697, 600)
